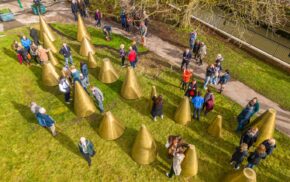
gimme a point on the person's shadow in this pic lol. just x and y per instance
(25, 112)
(67, 143)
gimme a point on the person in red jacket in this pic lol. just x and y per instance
(186, 77)
(132, 57)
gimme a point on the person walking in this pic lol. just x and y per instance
(186, 57)
(208, 101)
(132, 57)
(143, 33)
(250, 136)
(186, 77)
(34, 35)
(98, 18)
(175, 168)
(42, 54)
(66, 52)
(270, 145)
(197, 103)
(87, 150)
(64, 87)
(239, 155)
(217, 72)
(74, 9)
(47, 120)
(255, 157)
(35, 110)
(85, 72)
(208, 75)
(192, 38)
(244, 117)
(191, 89)
(201, 53)
(122, 53)
(26, 42)
(99, 97)
(224, 80)
(157, 108)
(196, 48)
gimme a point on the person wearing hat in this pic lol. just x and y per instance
(47, 120)
(87, 149)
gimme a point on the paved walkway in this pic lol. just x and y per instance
(61, 12)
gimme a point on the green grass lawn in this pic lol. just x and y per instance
(28, 152)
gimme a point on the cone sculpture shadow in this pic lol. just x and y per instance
(110, 128)
(52, 58)
(92, 62)
(215, 128)
(86, 47)
(44, 28)
(130, 88)
(189, 164)
(82, 30)
(107, 73)
(245, 175)
(153, 94)
(183, 112)
(266, 124)
(49, 75)
(144, 150)
(48, 44)
(83, 104)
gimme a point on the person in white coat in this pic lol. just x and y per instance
(178, 157)
(99, 97)
(64, 87)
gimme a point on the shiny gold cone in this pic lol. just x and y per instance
(52, 58)
(183, 112)
(110, 128)
(215, 129)
(49, 75)
(92, 62)
(189, 164)
(244, 175)
(266, 124)
(45, 28)
(82, 30)
(47, 44)
(107, 73)
(153, 93)
(86, 47)
(144, 150)
(83, 104)
(130, 88)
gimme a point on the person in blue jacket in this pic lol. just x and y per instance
(270, 145)
(85, 71)
(224, 80)
(47, 120)
(197, 103)
(26, 43)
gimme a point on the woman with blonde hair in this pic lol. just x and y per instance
(239, 155)
(255, 157)
(42, 54)
(270, 145)
(122, 53)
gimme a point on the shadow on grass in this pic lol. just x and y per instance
(126, 141)
(10, 53)
(67, 143)
(94, 121)
(25, 111)
(162, 163)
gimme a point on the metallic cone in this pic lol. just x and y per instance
(107, 72)
(266, 124)
(49, 75)
(86, 47)
(110, 128)
(183, 112)
(144, 150)
(44, 28)
(82, 30)
(153, 93)
(215, 129)
(83, 104)
(52, 58)
(92, 62)
(47, 44)
(130, 88)
(189, 164)
(244, 175)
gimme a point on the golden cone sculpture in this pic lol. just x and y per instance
(83, 104)
(52, 58)
(44, 28)
(189, 164)
(49, 75)
(144, 150)
(130, 88)
(153, 94)
(215, 129)
(86, 47)
(110, 128)
(244, 175)
(82, 30)
(92, 63)
(183, 112)
(48, 44)
(266, 124)
(107, 73)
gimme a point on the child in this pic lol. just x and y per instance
(122, 54)
(239, 155)
(255, 157)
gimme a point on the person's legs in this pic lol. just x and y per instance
(87, 158)
(66, 61)
(123, 61)
(194, 113)
(171, 172)
(101, 106)
(71, 59)
(250, 165)
(237, 165)
(67, 96)
(198, 113)
(52, 129)
(182, 64)
(206, 81)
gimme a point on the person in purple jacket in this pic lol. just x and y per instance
(122, 54)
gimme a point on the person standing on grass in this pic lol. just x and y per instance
(34, 35)
(208, 75)
(270, 145)
(191, 89)
(250, 136)
(143, 32)
(201, 53)
(74, 9)
(75, 74)
(178, 156)
(196, 49)
(135, 48)
(42, 54)
(24, 54)
(186, 59)
(85, 72)
(26, 42)
(35, 110)
(66, 52)
(122, 53)
(255, 157)
(98, 18)
(256, 105)
(82, 8)
(15, 47)
(157, 108)
(246, 114)
(239, 155)
(224, 80)
(99, 97)
(47, 120)
(186, 77)
(192, 38)
(87, 150)
(197, 103)
(208, 101)
(64, 87)
(132, 57)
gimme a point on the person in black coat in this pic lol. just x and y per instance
(34, 35)
(66, 52)
(255, 157)
(74, 9)
(270, 145)
(250, 136)
(192, 89)
(186, 59)
(239, 155)
(157, 108)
